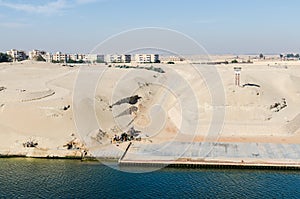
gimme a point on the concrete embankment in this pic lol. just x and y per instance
(214, 155)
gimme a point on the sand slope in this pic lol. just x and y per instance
(32, 105)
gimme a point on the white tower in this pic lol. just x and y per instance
(237, 72)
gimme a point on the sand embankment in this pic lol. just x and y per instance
(36, 104)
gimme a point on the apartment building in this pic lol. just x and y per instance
(17, 55)
(35, 53)
(60, 57)
(118, 58)
(146, 58)
(93, 58)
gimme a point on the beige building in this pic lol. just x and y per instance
(171, 58)
(60, 57)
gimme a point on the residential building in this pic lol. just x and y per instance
(60, 57)
(76, 57)
(146, 58)
(174, 59)
(126, 58)
(116, 58)
(95, 58)
(81, 57)
(35, 53)
(17, 55)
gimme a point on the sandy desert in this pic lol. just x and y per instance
(177, 105)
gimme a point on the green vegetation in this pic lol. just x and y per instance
(71, 61)
(57, 62)
(152, 68)
(5, 57)
(261, 56)
(291, 55)
(234, 61)
(115, 62)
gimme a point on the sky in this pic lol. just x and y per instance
(220, 26)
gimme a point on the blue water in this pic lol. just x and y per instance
(38, 178)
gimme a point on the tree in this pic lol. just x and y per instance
(281, 56)
(71, 61)
(234, 61)
(261, 56)
(5, 57)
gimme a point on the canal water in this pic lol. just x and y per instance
(43, 178)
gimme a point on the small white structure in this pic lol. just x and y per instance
(237, 72)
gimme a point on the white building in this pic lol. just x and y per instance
(95, 58)
(116, 58)
(146, 58)
(35, 53)
(60, 57)
(171, 58)
(17, 55)
(77, 57)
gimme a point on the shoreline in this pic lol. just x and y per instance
(213, 165)
(89, 158)
(177, 164)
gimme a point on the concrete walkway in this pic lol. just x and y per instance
(253, 154)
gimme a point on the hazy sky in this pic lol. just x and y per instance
(221, 26)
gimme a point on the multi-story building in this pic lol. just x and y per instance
(81, 57)
(174, 59)
(116, 58)
(17, 55)
(93, 58)
(77, 57)
(146, 58)
(126, 58)
(35, 53)
(60, 57)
